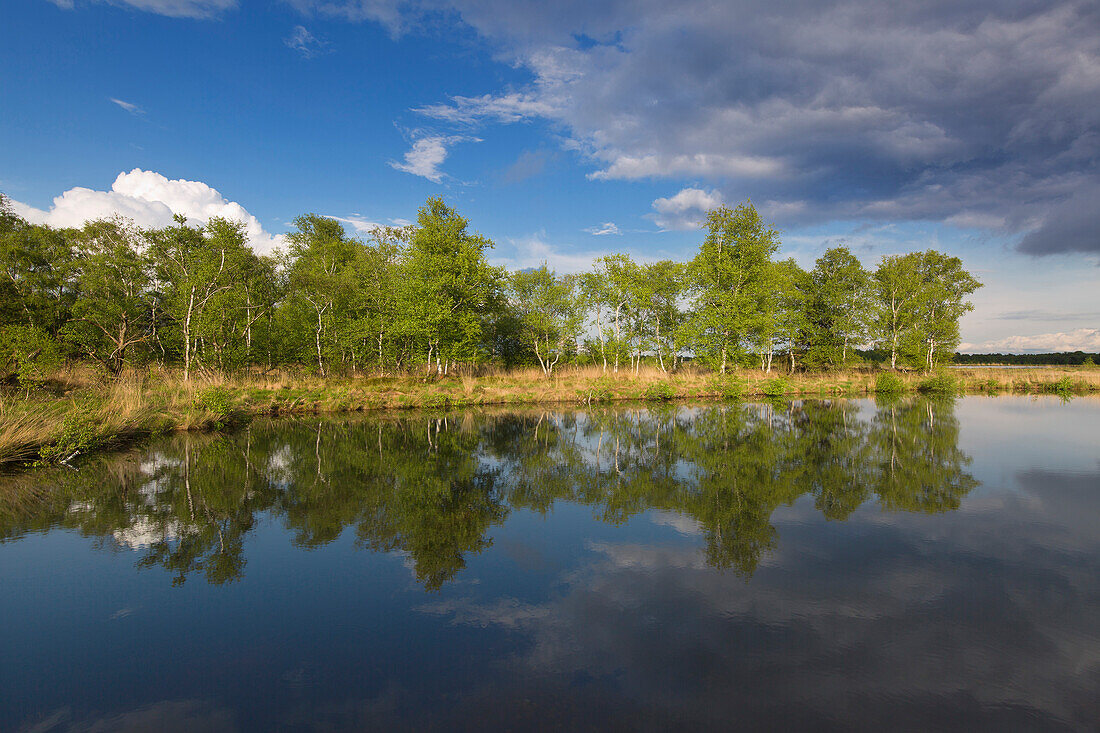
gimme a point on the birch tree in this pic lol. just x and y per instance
(897, 292)
(727, 278)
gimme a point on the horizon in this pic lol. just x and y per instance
(564, 135)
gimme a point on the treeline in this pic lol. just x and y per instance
(1067, 358)
(198, 297)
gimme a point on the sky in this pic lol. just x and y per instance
(568, 130)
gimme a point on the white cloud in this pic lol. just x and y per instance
(171, 8)
(700, 164)
(150, 199)
(608, 227)
(513, 107)
(1079, 339)
(128, 106)
(305, 43)
(363, 225)
(533, 250)
(387, 13)
(685, 210)
(427, 154)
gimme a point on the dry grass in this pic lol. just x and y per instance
(76, 410)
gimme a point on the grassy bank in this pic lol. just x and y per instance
(76, 412)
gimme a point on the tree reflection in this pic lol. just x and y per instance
(433, 487)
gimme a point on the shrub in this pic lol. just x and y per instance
(660, 391)
(78, 435)
(776, 387)
(887, 383)
(939, 384)
(1064, 386)
(216, 401)
(729, 388)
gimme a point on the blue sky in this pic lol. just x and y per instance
(568, 130)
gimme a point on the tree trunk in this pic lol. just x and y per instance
(187, 337)
(381, 361)
(317, 338)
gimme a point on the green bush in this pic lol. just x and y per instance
(1064, 386)
(660, 391)
(217, 401)
(729, 388)
(887, 383)
(78, 435)
(939, 384)
(776, 387)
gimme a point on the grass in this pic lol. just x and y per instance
(76, 411)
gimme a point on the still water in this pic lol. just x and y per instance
(906, 565)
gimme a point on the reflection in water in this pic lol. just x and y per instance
(909, 565)
(434, 487)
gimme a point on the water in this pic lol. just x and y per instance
(910, 566)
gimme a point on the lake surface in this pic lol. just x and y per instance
(907, 565)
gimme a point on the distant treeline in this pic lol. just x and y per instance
(425, 296)
(1068, 358)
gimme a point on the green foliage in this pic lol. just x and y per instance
(942, 384)
(728, 387)
(29, 352)
(199, 297)
(776, 387)
(660, 391)
(1064, 387)
(729, 277)
(78, 435)
(217, 401)
(887, 383)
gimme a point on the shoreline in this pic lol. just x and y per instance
(75, 414)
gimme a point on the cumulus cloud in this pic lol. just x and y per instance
(608, 227)
(128, 106)
(304, 42)
(1079, 339)
(980, 113)
(685, 210)
(171, 8)
(427, 154)
(150, 200)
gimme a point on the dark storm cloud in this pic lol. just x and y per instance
(982, 114)
(1072, 226)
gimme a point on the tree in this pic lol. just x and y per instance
(617, 276)
(546, 304)
(657, 292)
(453, 289)
(791, 286)
(945, 287)
(728, 278)
(838, 306)
(321, 276)
(897, 291)
(113, 313)
(193, 265)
